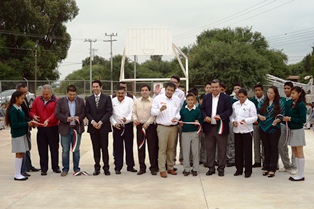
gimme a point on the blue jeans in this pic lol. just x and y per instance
(66, 142)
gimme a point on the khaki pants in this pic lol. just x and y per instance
(166, 141)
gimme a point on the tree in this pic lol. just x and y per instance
(34, 28)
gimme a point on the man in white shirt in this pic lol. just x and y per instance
(121, 121)
(166, 108)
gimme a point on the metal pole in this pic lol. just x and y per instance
(111, 60)
(134, 90)
(26, 82)
(90, 62)
(84, 87)
(35, 71)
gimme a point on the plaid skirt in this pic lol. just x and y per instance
(19, 144)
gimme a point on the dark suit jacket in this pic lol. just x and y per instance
(224, 110)
(102, 113)
(62, 113)
(25, 108)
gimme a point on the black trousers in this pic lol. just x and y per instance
(100, 145)
(211, 139)
(118, 153)
(243, 147)
(48, 136)
(152, 143)
(27, 162)
(270, 144)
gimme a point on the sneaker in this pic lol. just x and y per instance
(292, 171)
(64, 173)
(282, 169)
(185, 173)
(194, 173)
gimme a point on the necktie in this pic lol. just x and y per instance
(97, 101)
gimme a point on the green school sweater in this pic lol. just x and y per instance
(18, 122)
(190, 116)
(298, 116)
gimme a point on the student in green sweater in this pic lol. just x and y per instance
(296, 118)
(15, 117)
(190, 113)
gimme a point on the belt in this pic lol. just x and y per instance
(72, 126)
(214, 124)
(167, 125)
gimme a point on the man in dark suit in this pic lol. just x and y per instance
(216, 110)
(70, 110)
(27, 162)
(98, 112)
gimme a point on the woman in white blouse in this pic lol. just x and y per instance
(243, 116)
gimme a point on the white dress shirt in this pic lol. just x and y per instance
(178, 92)
(245, 111)
(121, 110)
(173, 109)
(214, 108)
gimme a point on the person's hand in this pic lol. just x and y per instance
(286, 118)
(117, 126)
(207, 119)
(163, 107)
(242, 121)
(95, 124)
(181, 123)
(30, 124)
(255, 123)
(99, 124)
(77, 118)
(262, 118)
(174, 120)
(36, 118)
(235, 124)
(70, 119)
(276, 121)
(46, 123)
(196, 121)
(136, 122)
(145, 126)
(124, 120)
(217, 117)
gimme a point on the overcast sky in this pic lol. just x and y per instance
(288, 25)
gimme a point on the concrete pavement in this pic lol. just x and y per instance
(129, 190)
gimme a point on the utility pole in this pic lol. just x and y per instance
(35, 71)
(111, 61)
(90, 62)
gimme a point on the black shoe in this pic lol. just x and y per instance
(194, 173)
(141, 172)
(118, 172)
(57, 170)
(209, 173)
(96, 173)
(292, 179)
(265, 172)
(22, 179)
(43, 173)
(185, 173)
(256, 165)
(205, 165)
(247, 175)
(107, 173)
(154, 173)
(216, 163)
(271, 174)
(33, 169)
(175, 169)
(230, 164)
(132, 170)
(221, 173)
(237, 173)
(26, 174)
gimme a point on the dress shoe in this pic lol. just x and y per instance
(172, 172)
(175, 169)
(43, 173)
(209, 173)
(186, 173)
(271, 174)
(163, 174)
(205, 165)
(154, 173)
(265, 172)
(141, 172)
(131, 170)
(194, 173)
(57, 170)
(256, 165)
(26, 174)
(33, 169)
(118, 172)
(247, 175)
(292, 179)
(64, 173)
(20, 179)
(96, 173)
(237, 173)
(107, 173)
(221, 173)
(230, 164)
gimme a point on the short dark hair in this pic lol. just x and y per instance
(243, 91)
(97, 81)
(121, 88)
(208, 83)
(181, 86)
(190, 95)
(176, 77)
(71, 88)
(20, 85)
(171, 85)
(236, 84)
(259, 86)
(288, 83)
(193, 91)
(145, 85)
(122, 82)
(223, 85)
(216, 81)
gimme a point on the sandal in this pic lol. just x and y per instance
(271, 174)
(265, 172)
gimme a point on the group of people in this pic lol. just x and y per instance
(215, 129)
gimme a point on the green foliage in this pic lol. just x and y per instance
(28, 26)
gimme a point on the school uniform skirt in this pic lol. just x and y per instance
(296, 137)
(19, 144)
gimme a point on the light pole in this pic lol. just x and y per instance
(111, 61)
(90, 61)
(48, 81)
(84, 86)
(26, 81)
(68, 80)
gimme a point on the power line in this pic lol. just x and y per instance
(111, 60)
